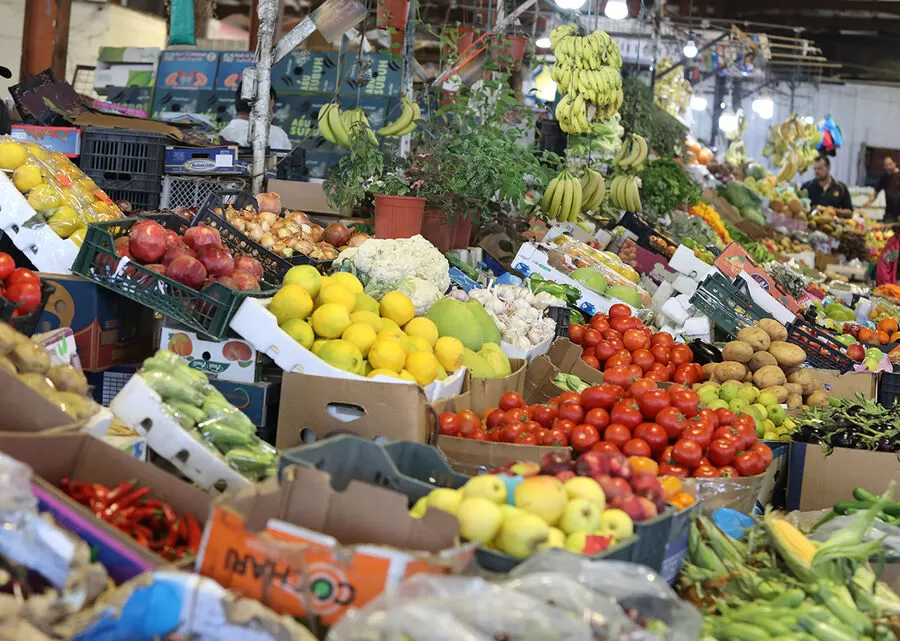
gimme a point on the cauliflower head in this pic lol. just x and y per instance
(389, 261)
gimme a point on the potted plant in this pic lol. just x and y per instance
(398, 211)
(507, 51)
(346, 183)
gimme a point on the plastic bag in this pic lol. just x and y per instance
(887, 533)
(632, 586)
(410, 622)
(737, 493)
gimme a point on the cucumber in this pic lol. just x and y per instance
(195, 413)
(224, 437)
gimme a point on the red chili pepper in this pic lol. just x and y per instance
(122, 489)
(125, 501)
(169, 514)
(174, 533)
(194, 533)
(154, 503)
(100, 493)
(142, 535)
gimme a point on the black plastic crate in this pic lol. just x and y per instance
(120, 155)
(561, 316)
(727, 304)
(208, 311)
(888, 389)
(274, 267)
(27, 323)
(143, 194)
(822, 352)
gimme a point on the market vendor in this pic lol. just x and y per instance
(237, 130)
(889, 183)
(825, 191)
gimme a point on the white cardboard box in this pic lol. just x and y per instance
(229, 359)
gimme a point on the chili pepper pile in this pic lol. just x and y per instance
(150, 522)
(712, 218)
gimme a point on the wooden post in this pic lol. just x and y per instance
(254, 24)
(40, 50)
(61, 38)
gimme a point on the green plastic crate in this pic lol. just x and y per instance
(207, 312)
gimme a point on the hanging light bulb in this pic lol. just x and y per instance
(616, 9)
(728, 121)
(542, 43)
(570, 5)
(699, 103)
(690, 47)
(764, 107)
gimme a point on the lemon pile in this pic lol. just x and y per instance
(348, 329)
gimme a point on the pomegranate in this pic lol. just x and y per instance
(156, 267)
(217, 260)
(269, 202)
(200, 236)
(122, 247)
(337, 234)
(174, 251)
(187, 270)
(173, 238)
(357, 239)
(147, 241)
(250, 265)
(245, 280)
(228, 281)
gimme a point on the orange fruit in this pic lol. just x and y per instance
(682, 500)
(888, 325)
(671, 487)
(895, 337)
(867, 335)
(644, 465)
(883, 337)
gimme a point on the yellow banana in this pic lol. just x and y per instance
(548, 195)
(338, 129)
(575, 208)
(324, 127)
(568, 198)
(407, 115)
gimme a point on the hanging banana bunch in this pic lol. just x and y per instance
(332, 127)
(405, 122)
(624, 192)
(633, 153)
(593, 190)
(563, 198)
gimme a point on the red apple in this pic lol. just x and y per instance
(556, 462)
(648, 486)
(650, 508)
(620, 466)
(565, 475)
(857, 352)
(592, 463)
(631, 505)
(613, 487)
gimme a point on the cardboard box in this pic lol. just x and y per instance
(109, 329)
(231, 68)
(201, 160)
(231, 359)
(258, 401)
(187, 69)
(298, 115)
(817, 482)
(168, 102)
(308, 197)
(307, 72)
(26, 411)
(316, 406)
(60, 344)
(485, 393)
(472, 457)
(136, 97)
(122, 75)
(129, 55)
(65, 140)
(847, 385)
(566, 357)
(734, 259)
(309, 551)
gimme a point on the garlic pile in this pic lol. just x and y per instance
(519, 314)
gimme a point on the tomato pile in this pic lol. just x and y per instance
(625, 349)
(19, 285)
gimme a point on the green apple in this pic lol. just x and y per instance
(729, 391)
(871, 363)
(616, 523)
(767, 398)
(758, 411)
(445, 499)
(874, 352)
(845, 339)
(488, 486)
(580, 515)
(556, 538)
(521, 534)
(709, 396)
(738, 406)
(716, 404)
(584, 487)
(479, 519)
(776, 414)
(748, 393)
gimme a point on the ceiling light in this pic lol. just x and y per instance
(728, 122)
(764, 107)
(616, 9)
(542, 43)
(699, 103)
(570, 4)
(690, 47)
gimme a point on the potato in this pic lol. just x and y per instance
(768, 376)
(756, 337)
(787, 354)
(730, 371)
(709, 371)
(773, 328)
(805, 380)
(30, 357)
(780, 392)
(737, 351)
(790, 370)
(794, 401)
(817, 399)
(749, 377)
(794, 388)
(761, 359)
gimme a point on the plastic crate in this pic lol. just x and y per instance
(677, 545)
(822, 352)
(561, 316)
(142, 194)
(122, 155)
(274, 267)
(496, 561)
(207, 312)
(726, 304)
(653, 537)
(888, 389)
(27, 323)
(192, 191)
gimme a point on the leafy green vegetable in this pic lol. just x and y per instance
(665, 187)
(663, 133)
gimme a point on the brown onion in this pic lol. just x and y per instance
(314, 233)
(337, 234)
(304, 247)
(357, 239)
(297, 216)
(269, 202)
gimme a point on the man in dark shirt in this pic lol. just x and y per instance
(825, 191)
(889, 183)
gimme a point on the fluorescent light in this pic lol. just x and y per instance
(728, 122)
(699, 103)
(570, 4)
(616, 9)
(690, 47)
(542, 43)
(764, 107)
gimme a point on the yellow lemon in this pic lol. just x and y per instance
(442, 373)
(366, 369)
(64, 221)
(397, 307)
(27, 176)
(422, 327)
(367, 303)
(361, 335)
(12, 154)
(423, 366)
(348, 281)
(330, 320)
(300, 331)
(290, 302)
(78, 235)
(406, 376)
(382, 372)
(449, 352)
(317, 345)
(419, 344)
(343, 355)
(395, 335)
(369, 318)
(43, 197)
(387, 354)
(338, 295)
(306, 276)
(389, 324)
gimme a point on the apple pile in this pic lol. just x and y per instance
(196, 259)
(519, 516)
(624, 349)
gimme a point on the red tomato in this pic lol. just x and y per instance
(627, 413)
(604, 396)
(597, 417)
(623, 324)
(749, 464)
(619, 311)
(515, 415)
(563, 425)
(588, 351)
(681, 354)
(511, 400)
(571, 412)
(672, 421)
(495, 419)
(448, 424)
(709, 416)
(678, 471)
(530, 426)
(615, 342)
(660, 353)
(591, 337)
(686, 401)
(539, 433)
(543, 415)
(705, 472)
(26, 294)
(604, 350)
(662, 338)
(590, 360)
(526, 438)
(747, 431)
(727, 472)
(7, 265)
(622, 358)
(22, 275)
(661, 371)
(583, 438)
(721, 451)
(643, 359)
(655, 436)
(641, 387)
(727, 433)
(636, 447)
(687, 453)
(653, 402)
(764, 452)
(569, 397)
(605, 448)
(478, 434)
(666, 456)
(556, 438)
(635, 371)
(652, 376)
(725, 417)
(618, 376)
(685, 374)
(509, 433)
(702, 435)
(599, 323)
(635, 339)
(576, 333)
(617, 434)
(468, 423)
(670, 368)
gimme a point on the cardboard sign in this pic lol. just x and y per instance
(734, 259)
(307, 72)
(307, 550)
(187, 69)
(231, 68)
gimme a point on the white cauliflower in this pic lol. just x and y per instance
(422, 293)
(391, 260)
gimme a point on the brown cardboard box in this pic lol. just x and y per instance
(539, 386)
(486, 392)
(566, 356)
(453, 404)
(85, 459)
(26, 411)
(315, 406)
(305, 196)
(847, 385)
(469, 456)
(307, 550)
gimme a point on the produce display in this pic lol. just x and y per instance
(856, 423)
(19, 285)
(673, 91)
(792, 145)
(519, 313)
(339, 127)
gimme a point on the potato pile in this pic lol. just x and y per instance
(761, 356)
(62, 385)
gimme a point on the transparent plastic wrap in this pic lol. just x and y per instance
(55, 188)
(887, 533)
(410, 622)
(737, 493)
(634, 587)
